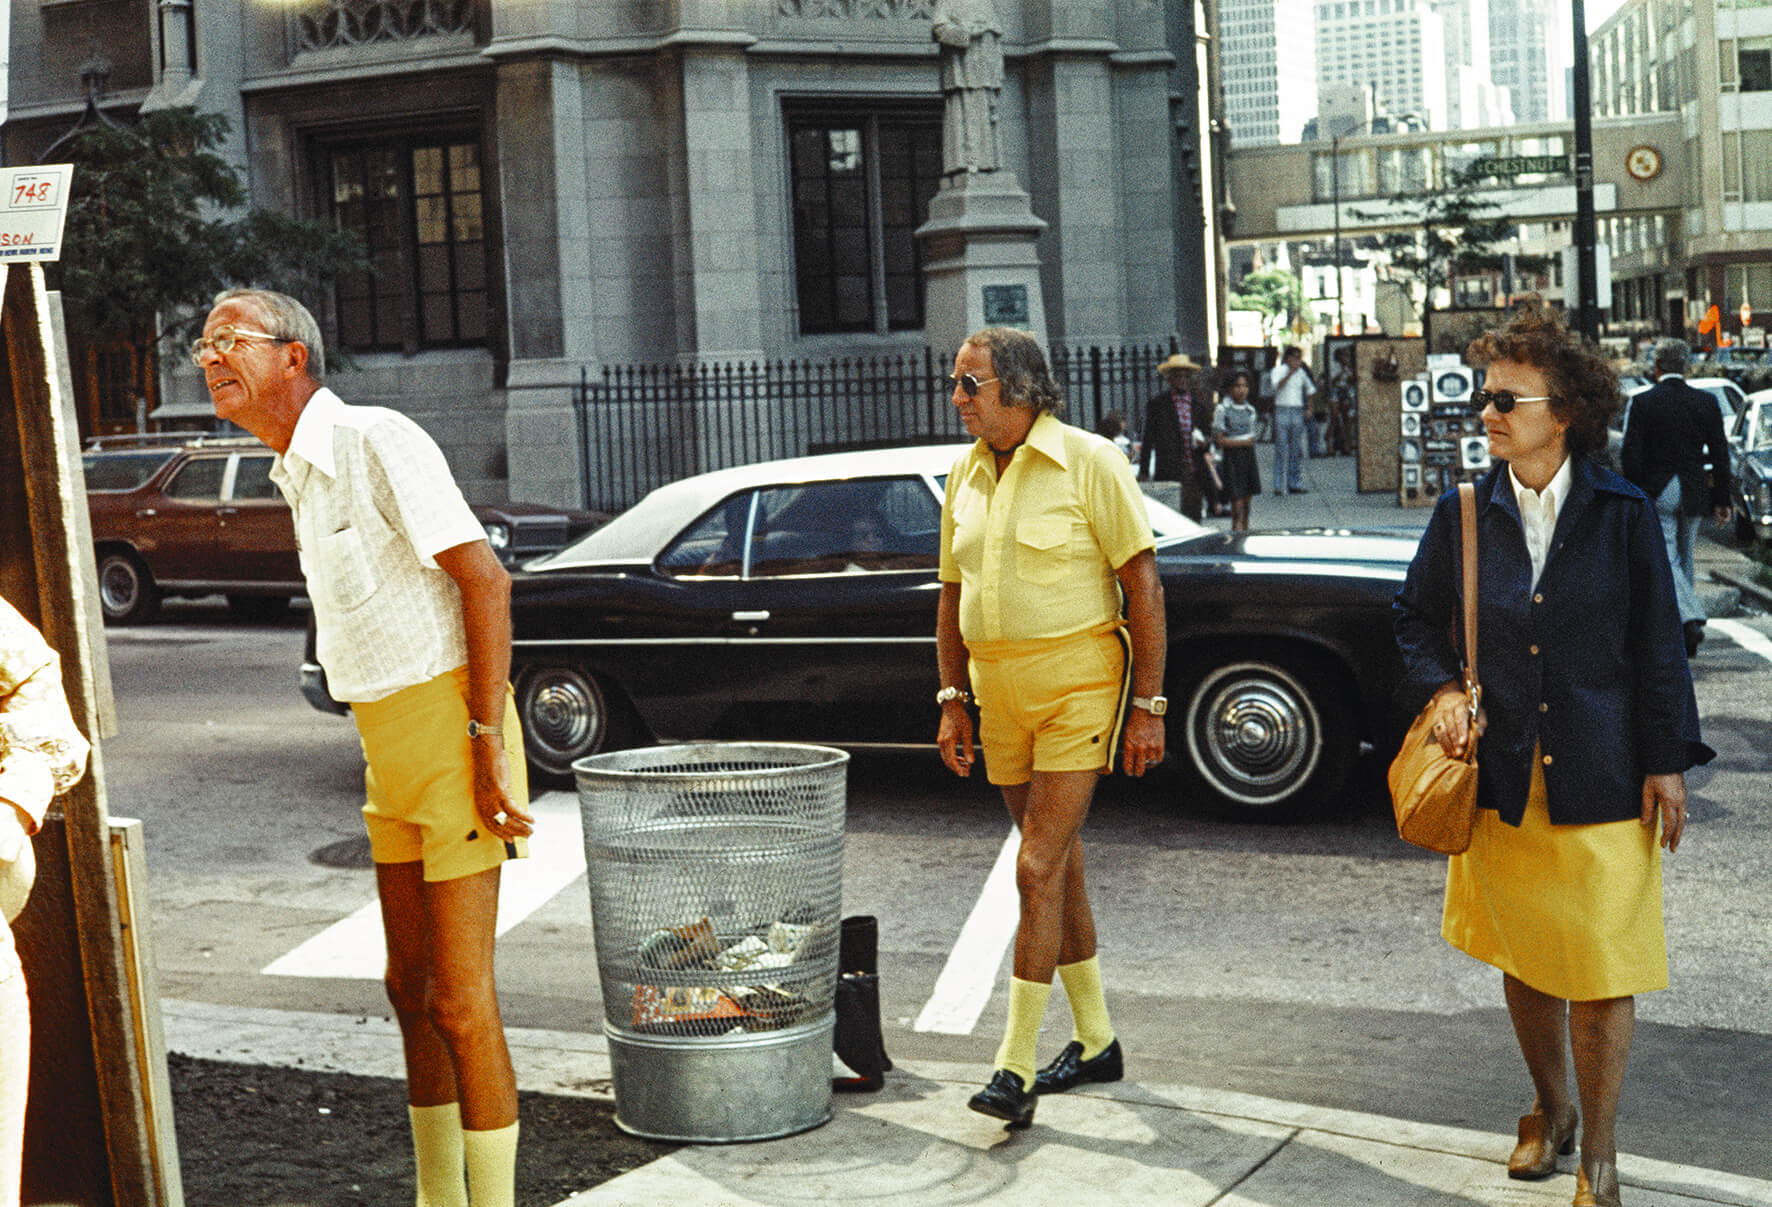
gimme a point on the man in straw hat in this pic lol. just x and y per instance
(1176, 425)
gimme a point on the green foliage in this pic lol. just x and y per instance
(1272, 291)
(154, 231)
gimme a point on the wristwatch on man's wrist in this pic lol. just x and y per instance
(953, 693)
(1155, 705)
(477, 730)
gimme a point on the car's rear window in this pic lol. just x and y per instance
(123, 470)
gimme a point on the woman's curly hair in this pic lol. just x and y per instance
(1020, 366)
(1581, 382)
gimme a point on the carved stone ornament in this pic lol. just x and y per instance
(328, 24)
(851, 9)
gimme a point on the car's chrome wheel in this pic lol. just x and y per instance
(126, 590)
(565, 716)
(1261, 738)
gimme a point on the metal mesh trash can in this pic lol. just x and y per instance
(716, 876)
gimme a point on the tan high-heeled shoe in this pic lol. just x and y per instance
(1599, 1190)
(1541, 1140)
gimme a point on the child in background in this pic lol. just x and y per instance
(1233, 430)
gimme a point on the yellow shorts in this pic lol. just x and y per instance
(1057, 704)
(420, 779)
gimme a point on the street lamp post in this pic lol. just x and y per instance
(1335, 192)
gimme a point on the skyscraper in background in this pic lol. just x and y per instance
(1396, 47)
(1267, 51)
(1473, 99)
(1531, 49)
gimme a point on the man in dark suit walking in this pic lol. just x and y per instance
(1171, 419)
(1673, 432)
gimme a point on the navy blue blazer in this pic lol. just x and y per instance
(1591, 667)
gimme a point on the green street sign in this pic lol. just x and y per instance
(1520, 165)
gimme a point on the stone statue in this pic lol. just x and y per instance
(971, 82)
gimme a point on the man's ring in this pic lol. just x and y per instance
(501, 817)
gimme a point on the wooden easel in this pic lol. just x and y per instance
(98, 1125)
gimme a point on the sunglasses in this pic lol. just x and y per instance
(225, 338)
(1502, 400)
(970, 383)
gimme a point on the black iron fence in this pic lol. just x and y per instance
(640, 426)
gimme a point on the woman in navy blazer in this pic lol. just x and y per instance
(1589, 722)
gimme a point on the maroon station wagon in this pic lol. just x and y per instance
(191, 516)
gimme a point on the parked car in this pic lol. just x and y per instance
(795, 600)
(199, 515)
(1750, 457)
(1736, 360)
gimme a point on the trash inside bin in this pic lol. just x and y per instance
(715, 875)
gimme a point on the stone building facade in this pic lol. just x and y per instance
(547, 186)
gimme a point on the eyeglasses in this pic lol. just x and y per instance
(971, 384)
(224, 339)
(1502, 400)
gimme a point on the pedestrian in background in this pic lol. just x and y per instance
(1292, 390)
(413, 625)
(1173, 431)
(1233, 429)
(42, 755)
(1042, 530)
(1588, 723)
(1112, 426)
(1673, 434)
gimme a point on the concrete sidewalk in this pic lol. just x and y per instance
(916, 1143)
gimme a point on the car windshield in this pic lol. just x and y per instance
(1761, 436)
(124, 470)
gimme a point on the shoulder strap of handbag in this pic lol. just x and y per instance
(1467, 506)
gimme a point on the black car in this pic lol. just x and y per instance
(1750, 456)
(795, 600)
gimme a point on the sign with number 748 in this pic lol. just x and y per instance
(33, 207)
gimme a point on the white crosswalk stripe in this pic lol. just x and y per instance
(354, 947)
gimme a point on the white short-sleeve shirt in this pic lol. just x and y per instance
(374, 503)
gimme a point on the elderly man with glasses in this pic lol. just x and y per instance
(1051, 620)
(412, 614)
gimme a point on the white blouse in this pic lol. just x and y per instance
(1538, 514)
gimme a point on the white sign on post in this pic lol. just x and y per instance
(33, 207)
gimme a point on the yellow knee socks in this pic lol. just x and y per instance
(1090, 1025)
(1027, 1006)
(437, 1151)
(492, 1166)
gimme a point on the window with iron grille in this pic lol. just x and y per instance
(861, 181)
(418, 205)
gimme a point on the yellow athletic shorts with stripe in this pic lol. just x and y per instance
(1052, 704)
(419, 781)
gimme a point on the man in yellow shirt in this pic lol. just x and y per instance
(1044, 531)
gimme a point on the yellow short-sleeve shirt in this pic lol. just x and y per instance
(1035, 551)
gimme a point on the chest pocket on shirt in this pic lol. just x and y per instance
(1042, 549)
(347, 568)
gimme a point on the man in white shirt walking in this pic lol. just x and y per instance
(1292, 388)
(412, 615)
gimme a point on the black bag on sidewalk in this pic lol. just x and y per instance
(858, 1040)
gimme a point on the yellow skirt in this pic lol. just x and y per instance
(1572, 911)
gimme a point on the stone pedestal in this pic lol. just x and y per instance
(980, 266)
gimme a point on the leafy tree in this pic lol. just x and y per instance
(155, 229)
(1277, 294)
(1453, 232)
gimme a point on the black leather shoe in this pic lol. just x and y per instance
(1005, 1098)
(1070, 1069)
(1694, 636)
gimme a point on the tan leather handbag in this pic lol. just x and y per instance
(1435, 796)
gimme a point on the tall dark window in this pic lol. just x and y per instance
(862, 180)
(418, 205)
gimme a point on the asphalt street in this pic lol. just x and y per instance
(1299, 963)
